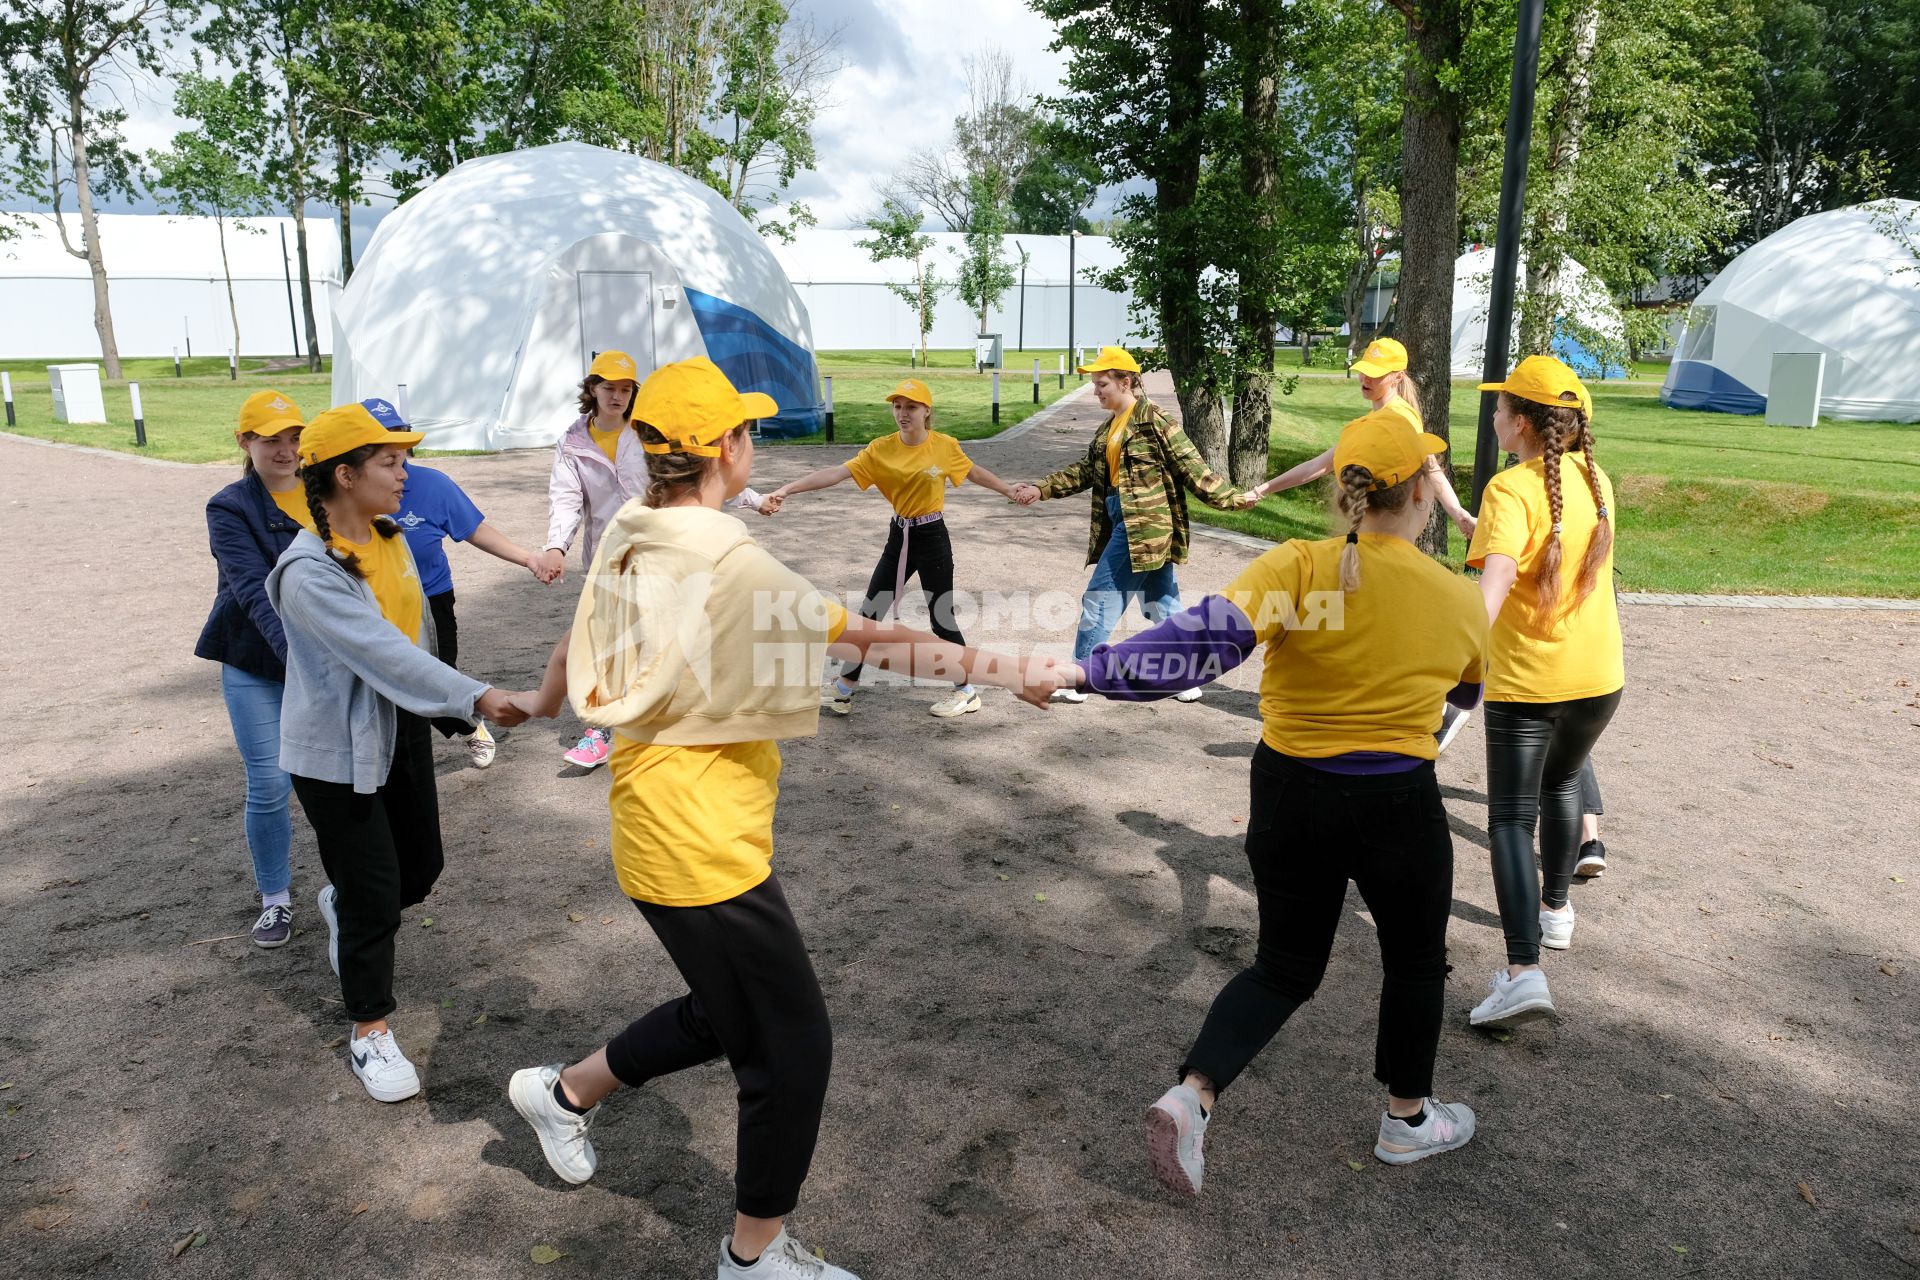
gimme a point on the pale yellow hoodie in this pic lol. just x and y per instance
(689, 633)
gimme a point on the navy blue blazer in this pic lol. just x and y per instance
(247, 531)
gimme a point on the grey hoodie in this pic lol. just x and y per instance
(347, 667)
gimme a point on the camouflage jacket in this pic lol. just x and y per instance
(1158, 464)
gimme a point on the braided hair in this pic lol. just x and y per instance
(321, 483)
(671, 476)
(1563, 429)
(1356, 496)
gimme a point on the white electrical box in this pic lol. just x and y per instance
(76, 393)
(1793, 388)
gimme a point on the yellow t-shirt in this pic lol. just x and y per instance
(1117, 437)
(294, 503)
(609, 441)
(912, 477)
(1360, 671)
(390, 572)
(693, 826)
(1576, 654)
(1405, 409)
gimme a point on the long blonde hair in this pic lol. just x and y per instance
(1562, 429)
(1354, 497)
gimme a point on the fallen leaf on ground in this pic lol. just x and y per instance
(1679, 1248)
(545, 1253)
(606, 919)
(1897, 879)
(187, 1242)
(361, 1208)
(1355, 1165)
(574, 917)
(1890, 970)
(336, 1042)
(1039, 897)
(426, 922)
(1501, 1036)
(1806, 1193)
(7, 1085)
(477, 1021)
(447, 1003)
(1002, 876)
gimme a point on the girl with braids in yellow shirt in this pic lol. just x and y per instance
(1555, 671)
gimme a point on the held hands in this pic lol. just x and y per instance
(549, 566)
(1026, 494)
(1251, 498)
(1466, 524)
(532, 704)
(1041, 677)
(501, 708)
(770, 503)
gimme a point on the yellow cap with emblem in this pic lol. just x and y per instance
(692, 404)
(268, 413)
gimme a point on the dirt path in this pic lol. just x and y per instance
(1019, 920)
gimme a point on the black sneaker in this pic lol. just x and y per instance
(274, 927)
(1593, 860)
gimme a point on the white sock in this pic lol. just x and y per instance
(284, 898)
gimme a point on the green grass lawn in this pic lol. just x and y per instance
(1709, 503)
(962, 399)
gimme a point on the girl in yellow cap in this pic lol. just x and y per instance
(912, 469)
(362, 683)
(1140, 467)
(1365, 639)
(1555, 670)
(700, 650)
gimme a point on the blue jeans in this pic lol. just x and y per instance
(1114, 583)
(253, 705)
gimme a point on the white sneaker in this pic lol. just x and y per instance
(838, 698)
(957, 703)
(332, 918)
(1556, 928)
(1448, 1125)
(1176, 1137)
(1068, 695)
(382, 1068)
(562, 1134)
(1188, 695)
(1512, 1001)
(784, 1259)
(480, 745)
(1452, 720)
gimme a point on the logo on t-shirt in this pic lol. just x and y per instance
(935, 472)
(408, 520)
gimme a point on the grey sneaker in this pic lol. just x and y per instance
(1176, 1136)
(1512, 1001)
(1448, 1125)
(957, 703)
(332, 917)
(562, 1134)
(1556, 928)
(784, 1259)
(838, 698)
(274, 927)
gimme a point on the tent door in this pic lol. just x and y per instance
(616, 314)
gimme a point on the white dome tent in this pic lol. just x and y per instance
(1838, 283)
(488, 294)
(1589, 314)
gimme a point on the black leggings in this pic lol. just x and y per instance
(1308, 833)
(930, 555)
(382, 852)
(1535, 751)
(752, 997)
(446, 647)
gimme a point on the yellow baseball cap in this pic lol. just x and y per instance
(614, 366)
(1112, 358)
(912, 389)
(1383, 355)
(692, 404)
(345, 429)
(268, 413)
(1544, 380)
(1381, 443)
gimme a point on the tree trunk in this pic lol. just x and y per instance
(1252, 427)
(1365, 264)
(343, 186)
(1430, 223)
(1547, 232)
(90, 231)
(233, 308)
(297, 147)
(1182, 314)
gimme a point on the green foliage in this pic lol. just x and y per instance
(985, 272)
(1054, 190)
(897, 237)
(214, 168)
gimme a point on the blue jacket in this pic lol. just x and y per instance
(247, 531)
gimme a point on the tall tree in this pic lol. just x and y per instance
(775, 69)
(985, 272)
(994, 142)
(61, 114)
(897, 237)
(1057, 186)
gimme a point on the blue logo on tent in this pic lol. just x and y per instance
(756, 357)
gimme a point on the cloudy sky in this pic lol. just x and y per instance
(901, 87)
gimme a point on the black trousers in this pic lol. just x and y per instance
(1590, 802)
(929, 555)
(1308, 833)
(751, 997)
(1535, 751)
(446, 647)
(382, 852)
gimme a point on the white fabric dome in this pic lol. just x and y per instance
(488, 294)
(1834, 283)
(1589, 307)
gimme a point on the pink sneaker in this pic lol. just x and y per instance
(591, 751)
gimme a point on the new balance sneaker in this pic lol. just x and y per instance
(1448, 1125)
(480, 745)
(562, 1133)
(591, 751)
(1176, 1136)
(1512, 1001)
(382, 1068)
(332, 917)
(958, 703)
(1188, 695)
(274, 927)
(784, 1259)
(1068, 695)
(1593, 860)
(1556, 928)
(838, 698)
(1452, 720)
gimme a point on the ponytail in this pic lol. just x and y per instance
(1564, 429)
(1355, 497)
(320, 484)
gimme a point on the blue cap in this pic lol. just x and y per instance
(386, 414)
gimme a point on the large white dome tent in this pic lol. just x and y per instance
(1837, 283)
(1589, 334)
(488, 294)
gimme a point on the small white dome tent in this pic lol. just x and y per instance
(488, 294)
(1837, 283)
(1590, 323)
